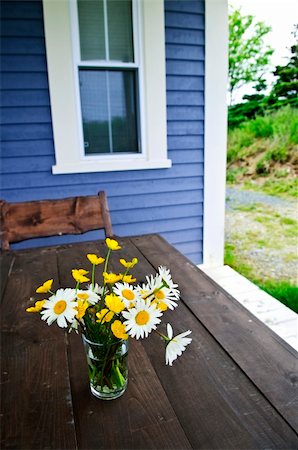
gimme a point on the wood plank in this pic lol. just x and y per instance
(35, 390)
(36, 407)
(264, 357)
(31, 268)
(6, 263)
(143, 417)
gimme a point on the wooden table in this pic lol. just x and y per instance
(235, 387)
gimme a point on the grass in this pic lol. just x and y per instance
(282, 290)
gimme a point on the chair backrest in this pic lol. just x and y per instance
(41, 218)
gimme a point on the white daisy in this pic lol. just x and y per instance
(128, 294)
(141, 319)
(60, 307)
(167, 278)
(162, 294)
(88, 295)
(97, 289)
(176, 345)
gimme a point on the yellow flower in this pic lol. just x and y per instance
(112, 244)
(46, 287)
(114, 303)
(104, 315)
(95, 259)
(111, 278)
(119, 330)
(129, 264)
(159, 305)
(81, 308)
(79, 275)
(128, 279)
(37, 307)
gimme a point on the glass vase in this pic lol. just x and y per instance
(107, 368)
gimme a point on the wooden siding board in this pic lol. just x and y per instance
(166, 201)
(185, 52)
(185, 83)
(185, 21)
(26, 114)
(186, 6)
(150, 177)
(185, 142)
(29, 81)
(178, 67)
(20, 46)
(22, 28)
(23, 63)
(192, 37)
(20, 10)
(13, 98)
(28, 148)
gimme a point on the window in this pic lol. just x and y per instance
(106, 67)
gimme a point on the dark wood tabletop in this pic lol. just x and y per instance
(235, 386)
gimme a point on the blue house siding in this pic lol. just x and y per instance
(166, 201)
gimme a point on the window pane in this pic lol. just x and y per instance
(108, 101)
(94, 103)
(123, 111)
(91, 25)
(120, 30)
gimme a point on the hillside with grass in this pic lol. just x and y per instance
(262, 231)
(263, 153)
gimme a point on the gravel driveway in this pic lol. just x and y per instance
(264, 233)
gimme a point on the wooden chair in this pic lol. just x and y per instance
(41, 218)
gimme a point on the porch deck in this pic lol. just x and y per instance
(281, 319)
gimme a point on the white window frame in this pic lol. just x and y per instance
(148, 17)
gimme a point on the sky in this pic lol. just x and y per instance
(281, 15)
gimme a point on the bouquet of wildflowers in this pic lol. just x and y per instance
(107, 314)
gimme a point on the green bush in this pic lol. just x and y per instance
(262, 127)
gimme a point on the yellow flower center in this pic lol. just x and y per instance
(142, 318)
(129, 295)
(60, 307)
(159, 294)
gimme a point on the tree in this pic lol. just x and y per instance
(249, 57)
(285, 88)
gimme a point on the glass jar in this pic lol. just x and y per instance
(107, 367)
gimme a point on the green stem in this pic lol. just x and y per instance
(93, 274)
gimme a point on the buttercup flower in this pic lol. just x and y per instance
(46, 287)
(118, 330)
(95, 259)
(127, 278)
(114, 303)
(60, 307)
(112, 244)
(105, 315)
(129, 264)
(141, 319)
(176, 345)
(79, 275)
(81, 308)
(111, 278)
(37, 307)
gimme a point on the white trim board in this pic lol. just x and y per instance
(216, 79)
